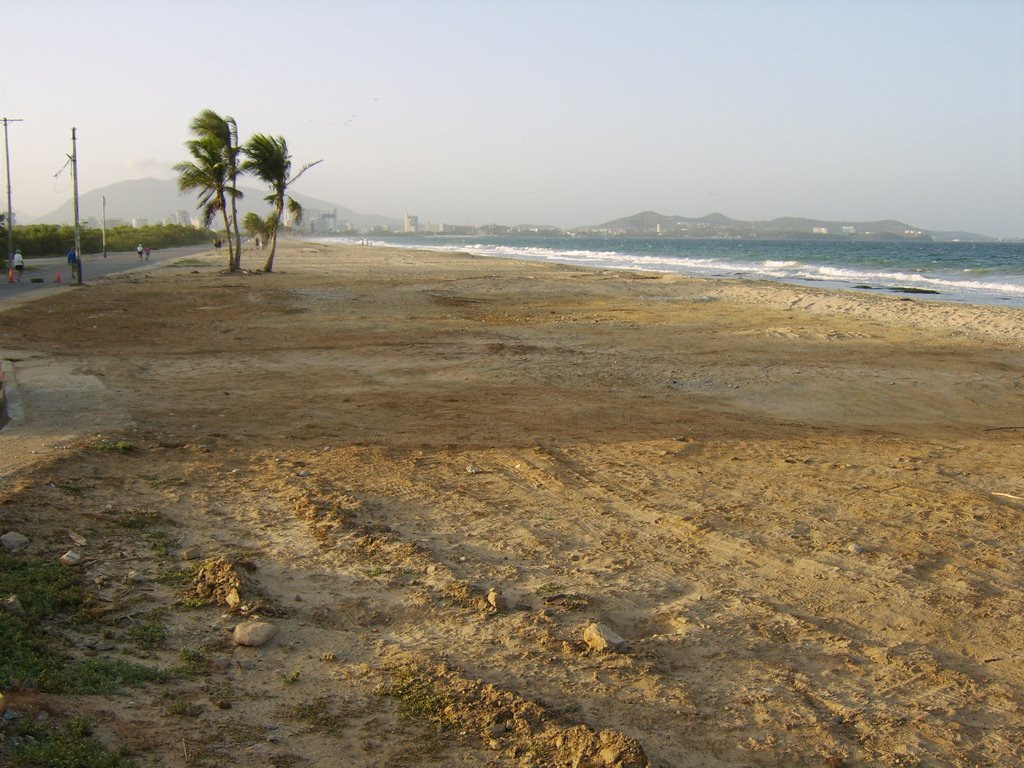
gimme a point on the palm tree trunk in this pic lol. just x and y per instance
(278, 210)
(231, 250)
(238, 236)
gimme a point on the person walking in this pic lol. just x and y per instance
(139, 251)
(19, 264)
(73, 262)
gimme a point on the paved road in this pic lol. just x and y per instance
(42, 273)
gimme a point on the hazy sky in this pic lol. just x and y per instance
(563, 112)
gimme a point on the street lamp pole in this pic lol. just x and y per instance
(74, 175)
(10, 220)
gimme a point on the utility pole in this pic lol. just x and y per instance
(74, 175)
(10, 220)
(103, 224)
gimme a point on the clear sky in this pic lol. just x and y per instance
(562, 112)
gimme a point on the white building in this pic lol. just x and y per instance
(412, 224)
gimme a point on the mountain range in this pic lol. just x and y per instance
(158, 199)
(719, 225)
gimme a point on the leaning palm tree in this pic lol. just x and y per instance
(267, 158)
(222, 132)
(257, 227)
(205, 175)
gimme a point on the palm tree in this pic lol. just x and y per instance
(267, 157)
(205, 175)
(258, 227)
(217, 144)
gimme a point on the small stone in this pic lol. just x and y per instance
(855, 549)
(190, 553)
(13, 606)
(78, 539)
(71, 558)
(601, 637)
(473, 469)
(253, 633)
(13, 540)
(495, 600)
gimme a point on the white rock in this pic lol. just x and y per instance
(13, 540)
(601, 637)
(13, 605)
(253, 633)
(71, 558)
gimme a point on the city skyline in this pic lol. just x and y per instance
(564, 114)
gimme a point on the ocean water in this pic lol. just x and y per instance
(972, 273)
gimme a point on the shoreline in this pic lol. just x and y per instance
(1005, 323)
(775, 261)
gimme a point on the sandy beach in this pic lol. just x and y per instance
(799, 511)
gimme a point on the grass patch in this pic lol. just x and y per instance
(177, 577)
(71, 489)
(101, 676)
(162, 543)
(322, 715)
(49, 594)
(149, 634)
(193, 661)
(46, 591)
(417, 697)
(164, 482)
(117, 446)
(137, 519)
(27, 744)
(179, 708)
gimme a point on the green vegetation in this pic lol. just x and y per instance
(49, 594)
(121, 446)
(417, 697)
(31, 656)
(325, 714)
(149, 634)
(33, 745)
(53, 240)
(138, 519)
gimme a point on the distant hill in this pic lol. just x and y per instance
(719, 225)
(157, 199)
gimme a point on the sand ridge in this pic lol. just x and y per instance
(797, 507)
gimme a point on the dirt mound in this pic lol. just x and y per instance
(220, 581)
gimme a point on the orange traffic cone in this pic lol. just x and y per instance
(57, 278)
(10, 275)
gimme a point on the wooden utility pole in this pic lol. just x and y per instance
(103, 224)
(10, 219)
(74, 176)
